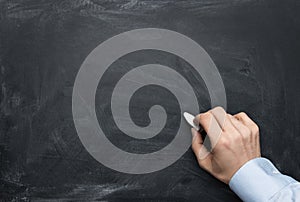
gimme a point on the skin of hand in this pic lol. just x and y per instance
(234, 140)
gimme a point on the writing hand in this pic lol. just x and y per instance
(234, 140)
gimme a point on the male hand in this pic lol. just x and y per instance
(234, 141)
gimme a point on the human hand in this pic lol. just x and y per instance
(234, 141)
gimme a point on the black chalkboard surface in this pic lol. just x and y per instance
(255, 45)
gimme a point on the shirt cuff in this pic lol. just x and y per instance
(258, 180)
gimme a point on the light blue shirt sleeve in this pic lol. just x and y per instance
(259, 180)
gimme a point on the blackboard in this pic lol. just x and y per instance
(255, 45)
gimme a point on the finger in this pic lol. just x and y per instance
(240, 127)
(244, 118)
(197, 145)
(202, 155)
(220, 115)
(224, 120)
(210, 125)
(196, 138)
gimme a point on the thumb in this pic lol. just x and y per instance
(201, 152)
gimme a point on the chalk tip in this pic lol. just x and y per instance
(189, 118)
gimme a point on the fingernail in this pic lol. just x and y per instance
(196, 120)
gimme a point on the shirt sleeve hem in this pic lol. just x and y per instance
(258, 180)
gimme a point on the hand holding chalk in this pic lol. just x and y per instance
(235, 141)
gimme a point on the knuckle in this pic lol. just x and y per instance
(223, 142)
(204, 116)
(246, 131)
(242, 114)
(197, 117)
(255, 128)
(218, 108)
